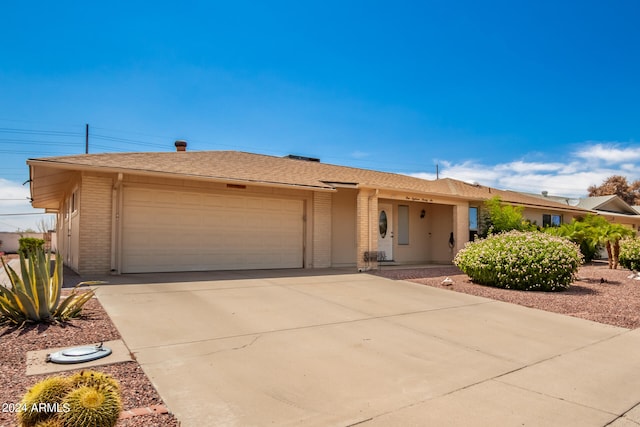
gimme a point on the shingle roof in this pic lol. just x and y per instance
(238, 166)
(610, 204)
(594, 202)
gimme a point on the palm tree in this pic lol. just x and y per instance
(582, 232)
(591, 233)
(610, 235)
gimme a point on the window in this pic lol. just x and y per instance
(382, 224)
(73, 202)
(549, 220)
(473, 218)
(403, 225)
(473, 222)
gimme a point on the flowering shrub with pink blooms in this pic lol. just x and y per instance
(528, 261)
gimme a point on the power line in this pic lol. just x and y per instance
(39, 132)
(131, 141)
(24, 214)
(10, 225)
(37, 141)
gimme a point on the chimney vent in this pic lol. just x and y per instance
(304, 158)
(545, 193)
(181, 145)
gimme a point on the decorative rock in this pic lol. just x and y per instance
(447, 282)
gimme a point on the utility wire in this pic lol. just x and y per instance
(129, 141)
(24, 214)
(40, 132)
(37, 141)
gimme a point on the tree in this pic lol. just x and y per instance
(46, 224)
(592, 233)
(618, 185)
(583, 232)
(611, 236)
(498, 217)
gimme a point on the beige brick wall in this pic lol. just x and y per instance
(366, 229)
(461, 226)
(343, 228)
(95, 225)
(321, 230)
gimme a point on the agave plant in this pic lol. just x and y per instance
(34, 295)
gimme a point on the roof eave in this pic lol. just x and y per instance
(130, 171)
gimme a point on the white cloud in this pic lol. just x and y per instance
(360, 154)
(609, 153)
(522, 167)
(13, 192)
(469, 171)
(14, 203)
(570, 178)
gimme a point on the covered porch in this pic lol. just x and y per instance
(394, 228)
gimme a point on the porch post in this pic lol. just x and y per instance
(321, 229)
(366, 227)
(460, 226)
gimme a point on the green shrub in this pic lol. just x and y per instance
(29, 244)
(498, 218)
(34, 294)
(584, 232)
(630, 254)
(529, 261)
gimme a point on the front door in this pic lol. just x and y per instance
(385, 232)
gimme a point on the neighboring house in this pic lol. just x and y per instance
(215, 210)
(612, 207)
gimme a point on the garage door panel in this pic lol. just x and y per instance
(174, 231)
(190, 199)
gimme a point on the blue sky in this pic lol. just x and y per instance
(519, 95)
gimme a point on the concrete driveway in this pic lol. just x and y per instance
(336, 349)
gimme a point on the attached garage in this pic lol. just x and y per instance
(166, 230)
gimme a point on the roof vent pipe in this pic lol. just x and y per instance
(181, 145)
(545, 193)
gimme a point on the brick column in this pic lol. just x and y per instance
(321, 230)
(95, 225)
(460, 226)
(366, 226)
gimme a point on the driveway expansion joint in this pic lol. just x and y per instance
(624, 416)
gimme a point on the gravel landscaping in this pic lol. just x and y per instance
(92, 327)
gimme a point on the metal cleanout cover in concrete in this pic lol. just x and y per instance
(79, 354)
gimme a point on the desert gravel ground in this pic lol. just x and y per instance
(599, 294)
(92, 327)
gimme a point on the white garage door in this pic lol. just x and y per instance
(186, 231)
